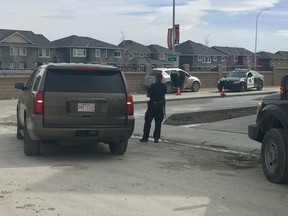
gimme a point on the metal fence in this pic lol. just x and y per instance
(16, 72)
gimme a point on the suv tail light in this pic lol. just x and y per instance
(38, 103)
(130, 105)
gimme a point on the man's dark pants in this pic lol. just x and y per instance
(156, 113)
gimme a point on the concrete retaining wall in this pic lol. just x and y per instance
(134, 80)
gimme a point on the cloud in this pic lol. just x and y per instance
(282, 33)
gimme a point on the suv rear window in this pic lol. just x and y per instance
(154, 72)
(95, 81)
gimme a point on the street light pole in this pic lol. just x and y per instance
(255, 54)
(173, 30)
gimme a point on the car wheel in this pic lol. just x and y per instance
(18, 133)
(274, 156)
(31, 147)
(195, 86)
(260, 86)
(242, 87)
(118, 148)
(169, 87)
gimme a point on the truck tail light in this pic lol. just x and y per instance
(38, 103)
(130, 105)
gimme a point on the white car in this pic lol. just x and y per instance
(173, 78)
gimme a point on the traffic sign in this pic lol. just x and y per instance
(172, 58)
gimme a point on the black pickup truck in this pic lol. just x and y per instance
(271, 129)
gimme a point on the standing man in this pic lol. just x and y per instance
(156, 109)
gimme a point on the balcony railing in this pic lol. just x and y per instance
(6, 72)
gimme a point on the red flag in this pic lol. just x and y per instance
(177, 34)
(169, 38)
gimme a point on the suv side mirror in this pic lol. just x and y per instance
(284, 87)
(20, 86)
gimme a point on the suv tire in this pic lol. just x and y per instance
(195, 87)
(118, 148)
(274, 156)
(169, 87)
(31, 147)
(18, 133)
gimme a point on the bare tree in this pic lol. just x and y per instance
(206, 57)
(15, 53)
(125, 50)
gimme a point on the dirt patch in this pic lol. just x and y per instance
(208, 116)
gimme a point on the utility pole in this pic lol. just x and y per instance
(173, 31)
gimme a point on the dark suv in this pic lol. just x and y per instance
(65, 101)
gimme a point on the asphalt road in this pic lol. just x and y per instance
(171, 177)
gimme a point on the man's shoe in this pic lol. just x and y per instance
(143, 140)
(156, 140)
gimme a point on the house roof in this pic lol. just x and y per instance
(34, 40)
(234, 51)
(268, 55)
(83, 42)
(134, 47)
(191, 48)
(282, 53)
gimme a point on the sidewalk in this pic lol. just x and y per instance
(206, 93)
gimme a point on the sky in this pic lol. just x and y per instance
(229, 23)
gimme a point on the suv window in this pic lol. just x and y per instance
(154, 72)
(61, 80)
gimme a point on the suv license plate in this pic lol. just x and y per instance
(86, 107)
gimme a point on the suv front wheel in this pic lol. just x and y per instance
(118, 148)
(274, 155)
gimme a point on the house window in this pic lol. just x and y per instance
(206, 59)
(15, 51)
(79, 52)
(214, 58)
(222, 58)
(44, 53)
(235, 58)
(199, 58)
(147, 55)
(106, 53)
(23, 51)
(141, 55)
(249, 59)
(117, 54)
(162, 56)
(97, 53)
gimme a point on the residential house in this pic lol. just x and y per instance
(237, 57)
(161, 56)
(284, 58)
(24, 49)
(79, 49)
(135, 55)
(199, 57)
(269, 60)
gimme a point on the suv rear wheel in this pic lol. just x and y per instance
(18, 133)
(195, 87)
(274, 156)
(31, 147)
(169, 87)
(118, 148)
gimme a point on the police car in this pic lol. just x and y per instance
(241, 80)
